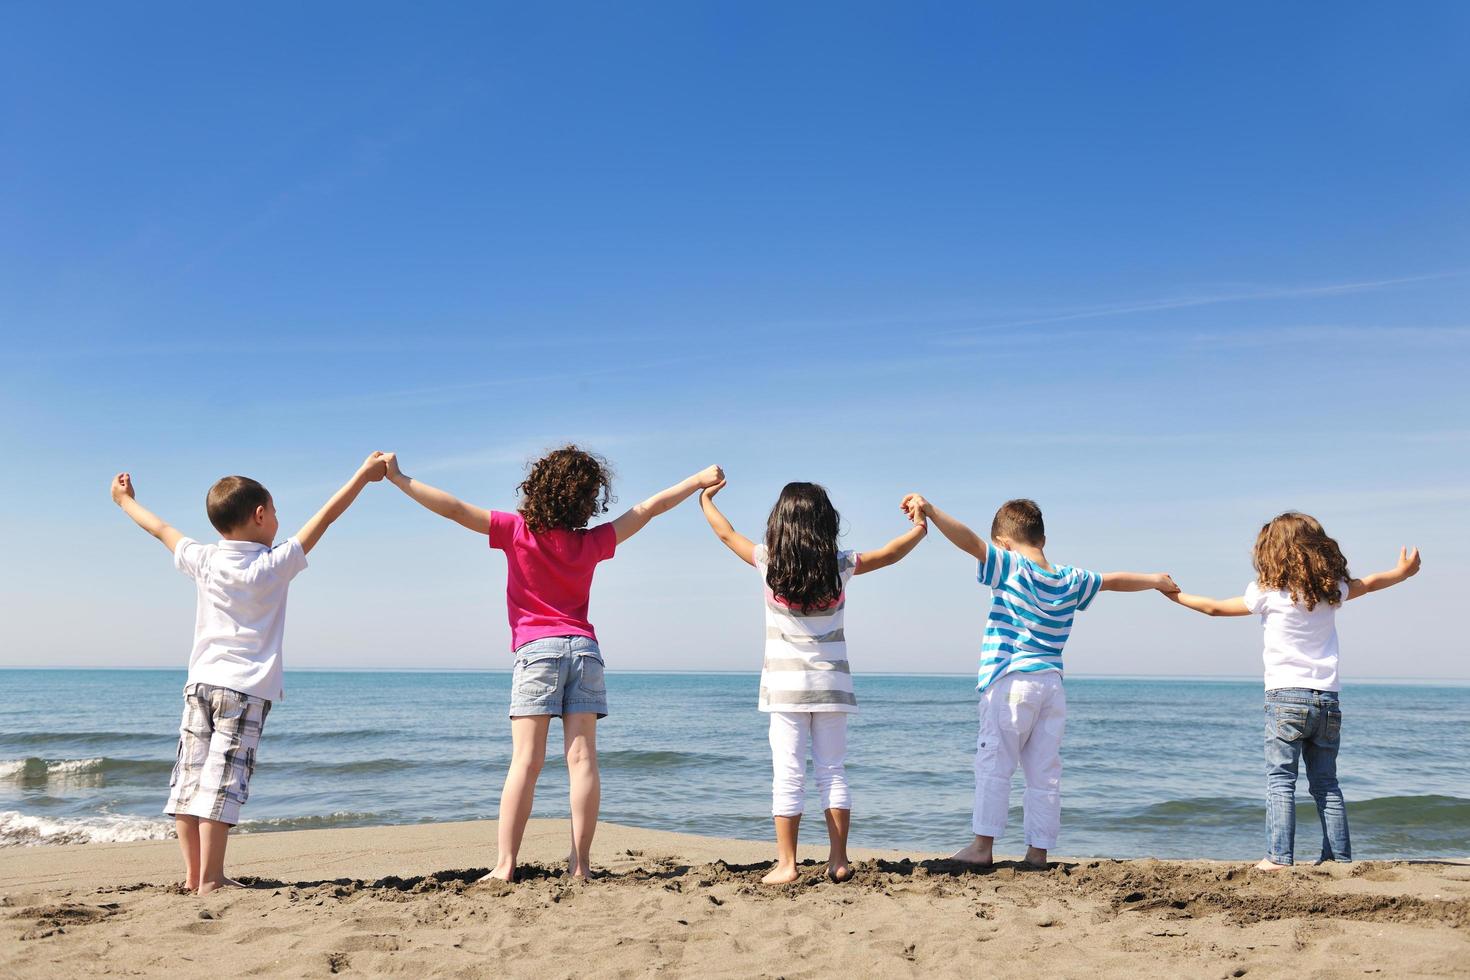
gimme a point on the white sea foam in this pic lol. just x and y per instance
(23, 830)
(34, 768)
(73, 767)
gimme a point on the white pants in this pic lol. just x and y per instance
(791, 733)
(1022, 718)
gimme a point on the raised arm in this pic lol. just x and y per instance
(1137, 582)
(733, 539)
(1208, 606)
(477, 519)
(958, 534)
(1407, 567)
(371, 471)
(636, 518)
(894, 551)
(122, 495)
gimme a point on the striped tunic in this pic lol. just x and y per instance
(1031, 612)
(806, 652)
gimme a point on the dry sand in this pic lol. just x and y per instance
(397, 900)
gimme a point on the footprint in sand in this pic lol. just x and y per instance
(363, 941)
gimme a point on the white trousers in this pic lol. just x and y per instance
(1022, 718)
(792, 732)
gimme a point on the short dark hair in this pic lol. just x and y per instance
(1020, 521)
(232, 501)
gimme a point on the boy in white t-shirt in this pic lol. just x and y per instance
(1301, 581)
(235, 665)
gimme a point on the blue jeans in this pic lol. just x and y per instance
(1302, 722)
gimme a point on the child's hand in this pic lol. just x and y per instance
(390, 466)
(708, 493)
(1408, 562)
(1166, 585)
(711, 475)
(122, 486)
(915, 506)
(373, 467)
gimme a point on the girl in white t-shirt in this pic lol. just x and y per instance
(1301, 580)
(806, 683)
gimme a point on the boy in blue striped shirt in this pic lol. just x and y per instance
(1023, 710)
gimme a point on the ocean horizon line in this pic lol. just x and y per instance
(1074, 675)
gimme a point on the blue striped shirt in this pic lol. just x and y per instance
(1031, 612)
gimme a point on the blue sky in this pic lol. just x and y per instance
(1169, 270)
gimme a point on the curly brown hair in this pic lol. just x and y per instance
(564, 489)
(1294, 554)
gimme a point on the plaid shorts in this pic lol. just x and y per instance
(217, 740)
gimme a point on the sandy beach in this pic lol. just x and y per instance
(397, 900)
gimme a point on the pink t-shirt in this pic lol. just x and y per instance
(548, 576)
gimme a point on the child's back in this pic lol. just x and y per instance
(549, 575)
(240, 616)
(1300, 641)
(1031, 613)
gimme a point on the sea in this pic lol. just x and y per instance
(1168, 768)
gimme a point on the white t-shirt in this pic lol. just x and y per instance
(1301, 645)
(241, 614)
(806, 665)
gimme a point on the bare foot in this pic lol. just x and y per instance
(838, 869)
(781, 874)
(1035, 857)
(973, 853)
(501, 872)
(578, 869)
(205, 887)
(1269, 865)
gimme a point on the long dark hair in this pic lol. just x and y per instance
(801, 547)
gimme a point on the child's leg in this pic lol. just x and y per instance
(528, 755)
(1041, 760)
(829, 755)
(789, 734)
(224, 783)
(579, 732)
(997, 752)
(196, 727)
(213, 837)
(1321, 756)
(188, 830)
(1286, 724)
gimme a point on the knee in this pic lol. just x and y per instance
(529, 763)
(830, 774)
(581, 759)
(789, 779)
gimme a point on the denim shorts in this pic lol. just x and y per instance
(558, 675)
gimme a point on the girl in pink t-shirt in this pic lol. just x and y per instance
(550, 556)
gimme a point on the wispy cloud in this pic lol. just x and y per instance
(1346, 501)
(470, 391)
(983, 333)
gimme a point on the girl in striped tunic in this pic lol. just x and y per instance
(806, 684)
